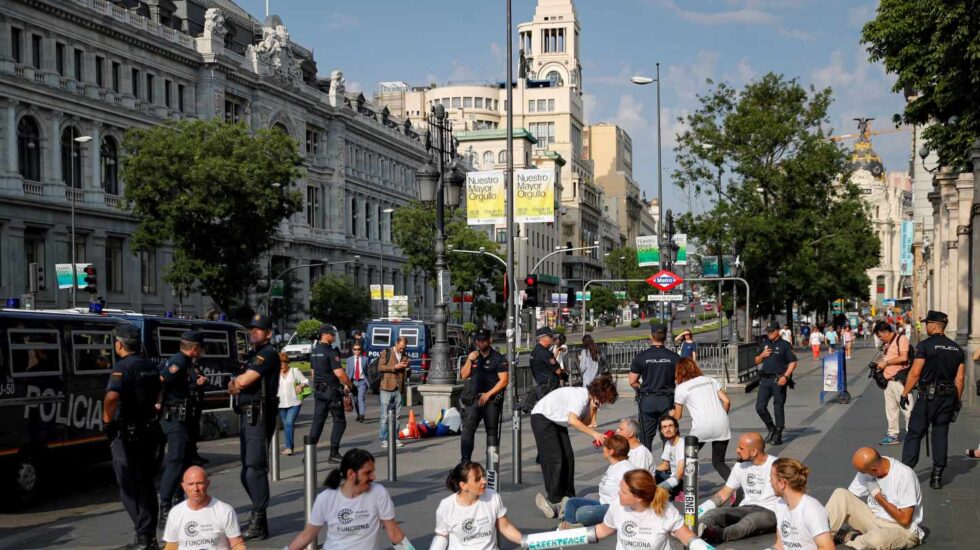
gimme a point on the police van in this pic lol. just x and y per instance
(54, 368)
(381, 334)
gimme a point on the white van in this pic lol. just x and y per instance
(297, 348)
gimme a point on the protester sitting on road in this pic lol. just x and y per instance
(670, 472)
(640, 456)
(756, 514)
(588, 511)
(353, 509)
(291, 383)
(201, 521)
(801, 520)
(550, 419)
(472, 515)
(882, 507)
(689, 348)
(708, 405)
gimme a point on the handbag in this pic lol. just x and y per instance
(348, 402)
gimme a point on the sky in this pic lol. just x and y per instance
(735, 41)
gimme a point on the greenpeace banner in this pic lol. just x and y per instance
(647, 251)
(485, 198)
(680, 239)
(534, 196)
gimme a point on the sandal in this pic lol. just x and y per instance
(287, 452)
(973, 453)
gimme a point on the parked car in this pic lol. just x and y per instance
(297, 348)
(709, 307)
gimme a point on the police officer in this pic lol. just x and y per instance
(652, 376)
(488, 369)
(330, 382)
(777, 363)
(938, 371)
(178, 415)
(194, 426)
(544, 367)
(129, 412)
(256, 391)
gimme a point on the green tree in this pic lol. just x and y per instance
(782, 197)
(205, 187)
(308, 329)
(934, 50)
(622, 264)
(603, 300)
(341, 302)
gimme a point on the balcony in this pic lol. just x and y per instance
(33, 188)
(75, 195)
(113, 201)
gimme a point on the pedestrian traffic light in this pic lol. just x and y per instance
(531, 291)
(90, 279)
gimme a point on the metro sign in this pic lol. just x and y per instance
(664, 280)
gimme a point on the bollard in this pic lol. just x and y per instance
(274, 457)
(309, 481)
(515, 451)
(691, 482)
(392, 443)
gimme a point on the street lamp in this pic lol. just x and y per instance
(643, 81)
(71, 199)
(324, 262)
(381, 238)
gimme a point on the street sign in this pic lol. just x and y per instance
(664, 280)
(277, 289)
(665, 297)
(445, 287)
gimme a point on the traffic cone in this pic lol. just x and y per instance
(413, 429)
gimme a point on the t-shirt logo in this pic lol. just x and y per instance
(629, 529)
(468, 527)
(786, 529)
(345, 516)
(190, 529)
(751, 479)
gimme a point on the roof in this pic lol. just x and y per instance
(865, 158)
(499, 133)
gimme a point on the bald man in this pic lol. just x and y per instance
(882, 507)
(202, 521)
(756, 514)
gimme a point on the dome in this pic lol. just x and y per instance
(864, 158)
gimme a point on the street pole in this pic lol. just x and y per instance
(512, 295)
(660, 180)
(76, 142)
(381, 238)
(721, 288)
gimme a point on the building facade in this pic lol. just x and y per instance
(610, 149)
(94, 68)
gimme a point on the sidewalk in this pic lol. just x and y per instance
(822, 436)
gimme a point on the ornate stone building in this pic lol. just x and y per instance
(95, 68)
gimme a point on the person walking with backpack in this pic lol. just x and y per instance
(393, 366)
(893, 369)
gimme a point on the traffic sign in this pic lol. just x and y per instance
(664, 280)
(665, 297)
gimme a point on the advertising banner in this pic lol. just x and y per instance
(680, 240)
(485, 198)
(534, 196)
(647, 251)
(905, 255)
(709, 266)
(64, 275)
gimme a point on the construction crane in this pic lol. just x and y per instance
(864, 131)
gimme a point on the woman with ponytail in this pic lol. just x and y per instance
(469, 518)
(353, 509)
(801, 521)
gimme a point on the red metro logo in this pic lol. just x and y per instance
(664, 280)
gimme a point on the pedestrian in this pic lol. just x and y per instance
(802, 521)
(831, 337)
(652, 376)
(882, 506)
(786, 334)
(202, 521)
(488, 369)
(689, 348)
(354, 509)
(639, 456)
(776, 362)
(550, 420)
(393, 366)
(805, 334)
(256, 392)
(330, 383)
(670, 472)
(937, 373)
(129, 417)
(357, 372)
(544, 369)
(816, 341)
(589, 360)
(177, 413)
(708, 405)
(291, 384)
(894, 367)
(848, 341)
(642, 518)
(471, 517)
(589, 511)
(560, 351)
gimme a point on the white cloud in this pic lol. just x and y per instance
(744, 13)
(354, 86)
(341, 21)
(590, 104)
(688, 79)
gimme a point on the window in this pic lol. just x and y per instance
(555, 78)
(16, 44)
(551, 105)
(115, 77)
(109, 157)
(488, 159)
(99, 70)
(33, 249)
(34, 352)
(168, 340)
(59, 58)
(180, 97)
(114, 264)
(544, 132)
(381, 336)
(148, 271)
(216, 344)
(234, 112)
(29, 149)
(36, 50)
(542, 105)
(467, 102)
(312, 140)
(79, 73)
(502, 157)
(479, 103)
(167, 93)
(411, 335)
(71, 158)
(135, 82)
(313, 206)
(530, 105)
(242, 345)
(149, 88)
(495, 105)
(353, 217)
(456, 103)
(92, 352)
(501, 236)
(368, 220)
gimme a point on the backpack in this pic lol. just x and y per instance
(374, 374)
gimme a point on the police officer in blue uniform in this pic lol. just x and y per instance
(330, 382)
(256, 391)
(177, 416)
(776, 362)
(544, 367)
(129, 416)
(937, 373)
(488, 369)
(652, 376)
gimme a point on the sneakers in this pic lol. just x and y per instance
(710, 534)
(889, 440)
(568, 525)
(384, 443)
(844, 537)
(549, 510)
(398, 443)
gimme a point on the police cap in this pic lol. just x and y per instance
(772, 326)
(936, 317)
(194, 336)
(126, 331)
(327, 328)
(260, 321)
(481, 334)
(545, 331)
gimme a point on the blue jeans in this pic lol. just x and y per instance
(586, 511)
(288, 417)
(386, 398)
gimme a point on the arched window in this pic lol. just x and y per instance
(281, 127)
(29, 149)
(353, 217)
(109, 157)
(880, 285)
(368, 220)
(381, 225)
(71, 158)
(488, 159)
(555, 78)
(502, 157)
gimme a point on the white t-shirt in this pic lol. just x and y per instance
(754, 480)
(206, 529)
(609, 484)
(700, 397)
(900, 487)
(588, 366)
(641, 457)
(786, 334)
(352, 524)
(799, 526)
(642, 530)
(816, 338)
(471, 527)
(560, 402)
(673, 454)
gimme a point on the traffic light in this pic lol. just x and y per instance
(35, 277)
(571, 297)
(90, 279)
(531, 291)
